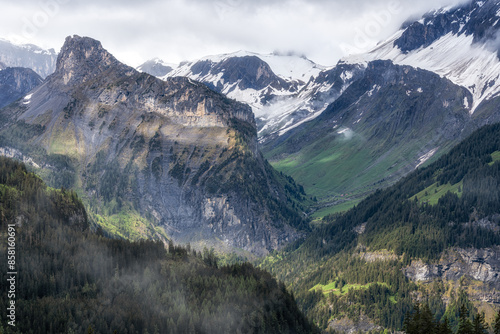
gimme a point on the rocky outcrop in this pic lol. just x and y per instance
(349, 326)
(382, 255)
(479, 264)
(10, 152)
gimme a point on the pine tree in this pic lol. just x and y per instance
(464, 324)
(426, 321)
(479, 323)
(411, 321)
(444, 327)
(496, 324)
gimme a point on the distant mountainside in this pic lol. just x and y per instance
(16, 83)
(391, 123)
(156, 67)
(153, 158)
(291, 98)
(43, 62)
(283, 90)
(390, 120)
(77, 281)
(458, 43)
(433, 237)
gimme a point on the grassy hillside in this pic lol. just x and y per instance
(386, 123)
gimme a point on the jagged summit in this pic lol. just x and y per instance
(82, 58)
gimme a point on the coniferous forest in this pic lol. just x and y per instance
(72, 279)
(413, 220)
(422, 321)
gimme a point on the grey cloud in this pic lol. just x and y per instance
(177, 30)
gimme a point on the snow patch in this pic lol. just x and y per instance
(346, 76)
(426, 157)
(375, 87)
(27, 99)
(348, 133)
(466, 103)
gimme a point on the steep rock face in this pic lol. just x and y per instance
(43, 62)
(479, 264)
(464, 265)
(177, 152)
(16, 83)
(249, 72)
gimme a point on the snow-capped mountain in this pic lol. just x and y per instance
(157, 67)
(30, 56)
(459, 43)
(283, 90)
(413, 97)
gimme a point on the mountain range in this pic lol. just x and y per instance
(365, 186)
(305, 112)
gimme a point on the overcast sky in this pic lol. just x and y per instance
(176, 30)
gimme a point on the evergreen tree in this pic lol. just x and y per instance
(426, 322)
(496, 324)
(464, 325)
(479, 324)
(444, 327)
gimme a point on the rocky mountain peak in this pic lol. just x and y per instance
(82, 58)
(156, 67)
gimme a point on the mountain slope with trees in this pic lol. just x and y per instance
(74, 280)
(358, 260)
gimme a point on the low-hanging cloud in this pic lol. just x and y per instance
(177, 30)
